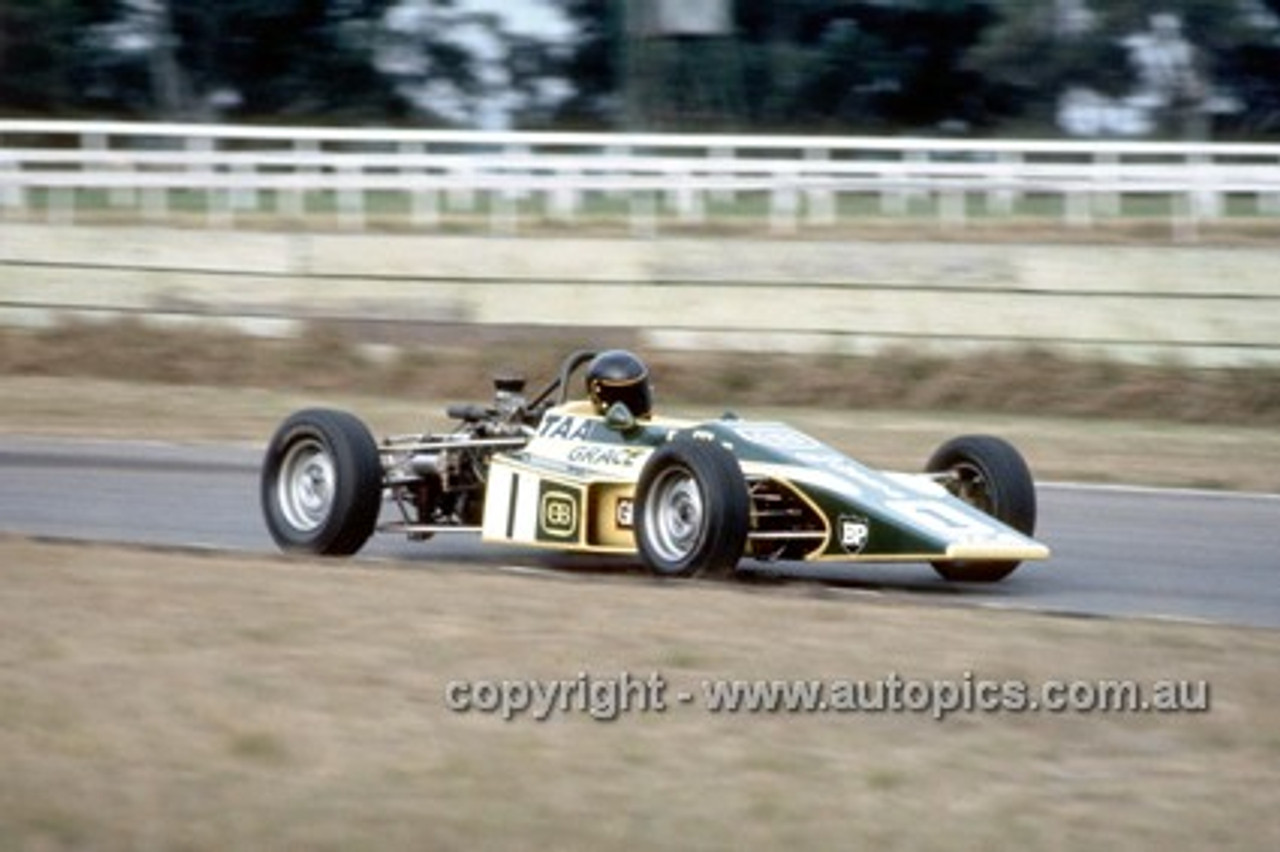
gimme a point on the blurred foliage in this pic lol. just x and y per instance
(863, 65)
(1026, 56)
(590, 65)
(962, 66)
(284, 58)
(42, 63)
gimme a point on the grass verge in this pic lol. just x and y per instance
(1146, 452)
(153, 699)
(456, 362)
(1101, 422)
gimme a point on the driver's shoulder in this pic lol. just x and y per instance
(577, 408)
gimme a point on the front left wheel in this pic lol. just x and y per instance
(321, 484)
(991, 475)
(692, 510)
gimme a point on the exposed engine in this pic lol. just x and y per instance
(439, 480)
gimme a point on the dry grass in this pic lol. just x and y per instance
(1092, 450)
(161, 700)
(747, 221)
(330, 360)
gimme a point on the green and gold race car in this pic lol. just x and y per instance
(604, 474)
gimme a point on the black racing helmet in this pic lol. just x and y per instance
(617, 375)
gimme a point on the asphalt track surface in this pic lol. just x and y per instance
(1192, 555)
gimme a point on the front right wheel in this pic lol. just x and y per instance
(692, 510)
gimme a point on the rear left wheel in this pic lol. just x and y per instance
(321, 486)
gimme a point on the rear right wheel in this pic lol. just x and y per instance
(321, 486)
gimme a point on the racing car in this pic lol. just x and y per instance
(600, 472)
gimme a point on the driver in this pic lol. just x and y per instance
(617, 375)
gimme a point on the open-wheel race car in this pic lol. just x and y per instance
(604, 474)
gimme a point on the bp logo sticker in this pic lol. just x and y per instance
(854, 532)
(557, 514)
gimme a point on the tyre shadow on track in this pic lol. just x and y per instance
(910, 579)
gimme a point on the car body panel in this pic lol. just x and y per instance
(572, 487)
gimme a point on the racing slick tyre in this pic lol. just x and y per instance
(692, 510)
(321, 483)
(989, 474)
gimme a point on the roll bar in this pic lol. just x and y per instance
(560, 384)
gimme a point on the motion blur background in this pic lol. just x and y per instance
(923, 178)
(1134, 68)
(884, 221)
(895, 140)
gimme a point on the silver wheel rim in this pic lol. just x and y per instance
(305, 487)
(674, 515)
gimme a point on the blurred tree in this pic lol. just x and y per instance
(798, 64)
(591, 66)
(1036, 53)
(794, 65)
(435, 54)
(899, 66)
(195, 59)
(43, 63)
(538, 92)
(1252, 73)
(283, 58)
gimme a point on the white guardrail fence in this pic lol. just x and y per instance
(66, 171)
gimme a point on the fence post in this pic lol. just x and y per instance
(898, 192)
(244, 195)
(203, 171)
(1106, 172)
(504, 208)
(351, 197)
(953, 206)
(219, 206)
(155, 203)
(1185, 221)
(563, 199)
(643, 213)
(725, 194)
(1002, 199)
(819, 197)
(784, 202)
(461, 194)
(688, 199)
(61, 203)
(1206, 198)
(306, 173)
(1077, 205)
(424, 205)
(10, 191)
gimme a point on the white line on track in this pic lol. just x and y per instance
(1157, 491)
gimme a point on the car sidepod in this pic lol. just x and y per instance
(572, 487)
(839, 509)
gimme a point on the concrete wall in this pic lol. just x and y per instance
(1204, 305)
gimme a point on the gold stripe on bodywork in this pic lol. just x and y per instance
(987, 551)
